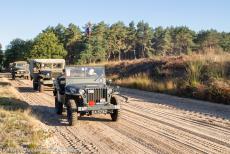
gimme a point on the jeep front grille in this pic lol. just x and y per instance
(97, 95)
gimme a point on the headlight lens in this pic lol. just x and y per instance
(46, 74)
(81, 91)
(110, 91)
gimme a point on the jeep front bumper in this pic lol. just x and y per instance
(20, 75)
(97, 107)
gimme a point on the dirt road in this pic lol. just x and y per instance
(150, 123)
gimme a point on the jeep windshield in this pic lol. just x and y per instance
(85, 74)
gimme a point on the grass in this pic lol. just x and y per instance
(20, 131)
(143, 82)
(194, 70)
(201, 76)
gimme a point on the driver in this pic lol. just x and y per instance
(92, 72)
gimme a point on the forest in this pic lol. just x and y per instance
(95, 43)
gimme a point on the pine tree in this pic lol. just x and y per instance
(144, 39)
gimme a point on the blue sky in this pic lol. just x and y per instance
(26, 18)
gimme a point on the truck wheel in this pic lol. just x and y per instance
(28, 77)
(13, 77)
(71, 114)
(58, 106)
(35, 86)
(116, 113)
(41, 87)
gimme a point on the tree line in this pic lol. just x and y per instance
(102, 42)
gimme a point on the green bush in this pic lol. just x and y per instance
(194, 71)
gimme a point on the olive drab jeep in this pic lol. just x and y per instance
(44, 72)
(20, 69)
(83, 91)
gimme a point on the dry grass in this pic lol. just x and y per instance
(143, 82)
(207, 56)
(210, 56)
(20, 131)
(192, 75)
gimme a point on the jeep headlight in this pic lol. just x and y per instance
(72, 90)
(81, 92)
(110, 90)
(47, 75)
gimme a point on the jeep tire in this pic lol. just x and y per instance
(116, 112)
(35, 86)
(72, 115)
(58, 106)
(13, 77)
(41, 87)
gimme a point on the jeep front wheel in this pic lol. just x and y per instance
(35, 86)
(58, 106)
(41, 87)
(115, 115)
(71, 114)
(13, 77)
(116, 112)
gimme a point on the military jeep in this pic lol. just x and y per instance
(83, 91)
(44, 72)
(20, 69)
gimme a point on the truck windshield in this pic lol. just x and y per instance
(20, 65)
(46, 66)
(57, 65)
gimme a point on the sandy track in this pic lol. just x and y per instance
(150, 123)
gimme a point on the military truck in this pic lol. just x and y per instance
(20, 69)
(82, 90)
(44, 72)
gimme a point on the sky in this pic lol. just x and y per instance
(26, 18)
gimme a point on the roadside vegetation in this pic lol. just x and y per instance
(201, 76)
(20, 131)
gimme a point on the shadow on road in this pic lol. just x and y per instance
(91, 118)
(48, 116)
(26, 89)
(13, 104)
(44, 113)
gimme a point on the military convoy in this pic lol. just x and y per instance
(82, 90)
(20, 69)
